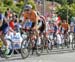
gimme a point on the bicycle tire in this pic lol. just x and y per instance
(38, 48)
(10, 53)
(24, 54)
(73, 44)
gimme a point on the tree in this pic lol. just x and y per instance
(28, 2)
(8, 2)
(32, 3)
(62, 11)
(66, 10)
(63, 2)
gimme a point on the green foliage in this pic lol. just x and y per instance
(62, 11)
(66, 9)
(4, 4)
(1, 3)
(33, 4)
(15, 9)
(72, 9)
(8, 2)
(3, 9)
(64, 1)
(20, 4)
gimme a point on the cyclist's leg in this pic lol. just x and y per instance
(4, 31)
(4, 41)
(40, 30)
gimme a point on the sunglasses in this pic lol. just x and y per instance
(26, 9)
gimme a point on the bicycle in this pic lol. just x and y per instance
(29, 43)
(46, 42)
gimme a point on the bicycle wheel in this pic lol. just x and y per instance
(48, 45)
(73, 44)
(11, 49)
(24, 49)
(44, 45)
(38, 47)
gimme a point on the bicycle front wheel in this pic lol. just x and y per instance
(24, 49)
(9, 41)
(73, 44)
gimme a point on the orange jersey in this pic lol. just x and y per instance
(65, 26)
(32, 16)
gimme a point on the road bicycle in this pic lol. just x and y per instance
(30, 43)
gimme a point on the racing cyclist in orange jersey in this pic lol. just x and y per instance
(37, 23)
(65, 26)
(32, 15)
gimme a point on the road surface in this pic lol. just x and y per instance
(65, 56)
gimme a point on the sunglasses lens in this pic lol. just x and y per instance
(27, 9)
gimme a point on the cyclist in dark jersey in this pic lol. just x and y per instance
(3, 30)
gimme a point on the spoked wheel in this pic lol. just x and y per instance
(48, 45)
(25, 49)
(45, 45)
(38, 48)
(73, 44)
(68, 41)
(10, 49)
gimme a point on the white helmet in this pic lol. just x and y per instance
(28, 6)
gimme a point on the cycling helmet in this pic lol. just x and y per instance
(28, 6)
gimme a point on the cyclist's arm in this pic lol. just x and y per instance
(37, 19)
(25, 16)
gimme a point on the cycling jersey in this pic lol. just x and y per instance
(28, 24)
(4, 28)
(65, 26)
(32, 16)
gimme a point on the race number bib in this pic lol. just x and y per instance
(28, 24)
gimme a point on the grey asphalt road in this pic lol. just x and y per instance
(65, 56)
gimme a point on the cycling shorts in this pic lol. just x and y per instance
(4, 28)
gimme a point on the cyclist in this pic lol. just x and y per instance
(65, 26)
(3, 31)
(36, 19)
(42, 23)
(31, 16)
